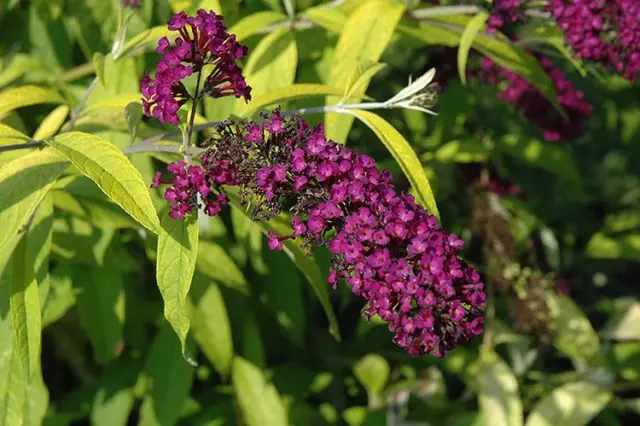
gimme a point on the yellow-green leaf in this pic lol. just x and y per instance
(329, 19)
(15, 67)
(52, 123)
(289, 93)
(361, 76)
(9, 135)
(146, 40)
(404, 155)
(259, 401)
(498, 396)
(365, 36)
(119, 101)
(475, 25)
(25, 310)
(625, 246)
(572, 404)
(114, 174)
(23, 184)
(271, 65)
(373, 372)
(254, 23)
(572, 331)
(177, 250)
(210, 324)
(98, 64)
(18, 97)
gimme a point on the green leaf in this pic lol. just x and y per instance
(25, 310)
(210, 324)
(626, 246)
(460, 151)
(60, 297)
(361, 76)
(259, 401)
(404, 155)
(18, 97)
(112, 407)
(550, 157)
(144, 41)
(107, 166)
(572, 404)
(288, 93)
(23, 184)
(626, 327)
(133, 114)
(17, 66)
(177, 249)
(626, 356)
(373, 372)
(52, 123)
(214, 262)
(98, 64)
(543, 32)
(255, 23)
(329, 19)
(573, 333)
(119, 101)
(476, 24)
(9, 135)
(365, 36)
(271, 65)
(498, 391)
(101, 305)
(169, 379)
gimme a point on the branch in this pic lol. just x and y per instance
(432, 12)
(25, 145)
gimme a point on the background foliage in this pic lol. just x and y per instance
(83, 335)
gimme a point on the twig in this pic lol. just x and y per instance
(25, 145)
(432, 12)
(76, 112)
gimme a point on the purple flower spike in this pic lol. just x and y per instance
(390, 250)
(201, 41)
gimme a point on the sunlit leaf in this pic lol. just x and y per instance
(144, 41)
(23, 184)
(365, 36)
(112, 172)
(259, 401)
(404, 155)
(476, 24)
(254, 23)
(625, 246)
(498, 392)
(626, 327)
(52, 123)
(373, 372)
(361, 76)
(330, 19)
(18, 97)
(572, 404)
(177, 250)
(9, 135)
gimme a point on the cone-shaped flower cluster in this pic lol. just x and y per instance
(536, 107)
(202, 45)
(390, 250)
(604, 31)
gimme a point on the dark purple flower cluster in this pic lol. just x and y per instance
(390, 250)
(536, 107)
(503, 13)
(191, 188)
(603, 31)
(202, 41)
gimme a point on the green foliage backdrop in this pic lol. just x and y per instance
(111, 313)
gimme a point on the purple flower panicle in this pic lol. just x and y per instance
(603, 31)
(390, 251)
(202, 40)
(536, 107)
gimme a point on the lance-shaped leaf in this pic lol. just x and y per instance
(259, 401)
(498, 392)
(25, 310)
(572, 404)
(52, 123)
(177, 251)
(23, 184)
(254, 23)
(365, 36)
(214, 262)
(9, 135)
(18, 97)
(404, 155)
(114, 174)
(475, 25)
(361, 76)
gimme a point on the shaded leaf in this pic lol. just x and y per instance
(133, 114)
(112, 172)
(626, 246)
(214, 262)
(259, 401)
(176, 262)
(476, 24)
